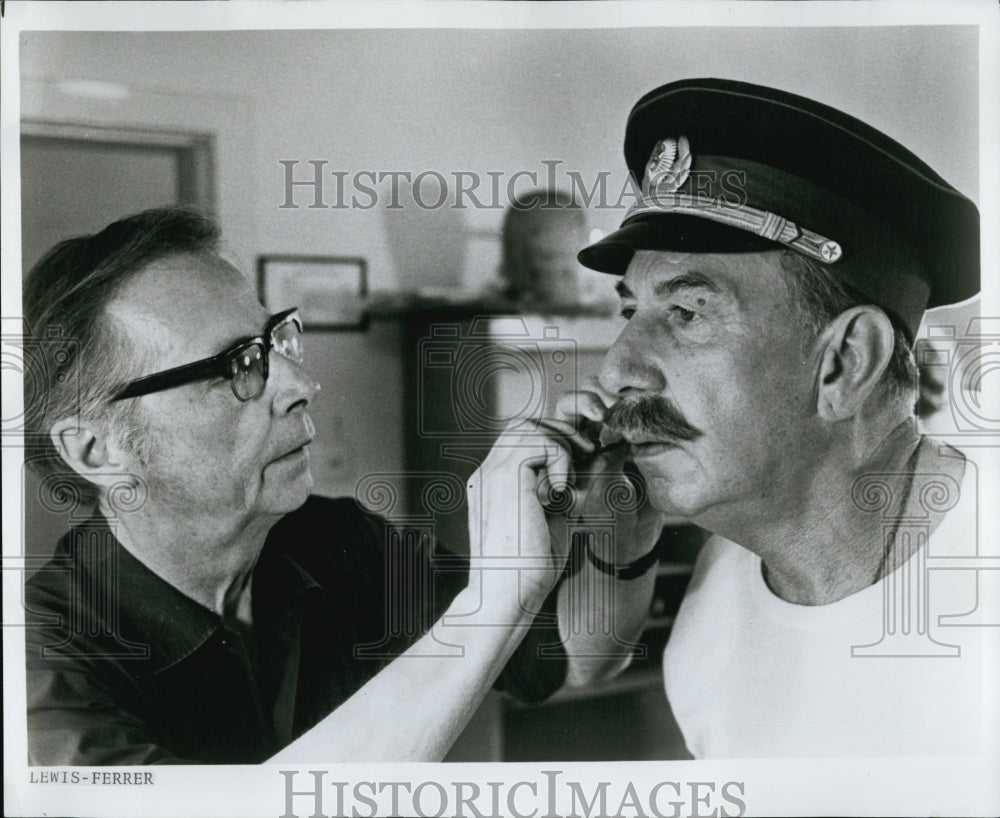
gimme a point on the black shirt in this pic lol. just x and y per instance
(125, 669)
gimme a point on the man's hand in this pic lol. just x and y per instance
(601, 617)
(601, 486)
(527, 468)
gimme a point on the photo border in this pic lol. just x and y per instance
(775, 787)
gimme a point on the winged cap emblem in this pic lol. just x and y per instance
(668, 166)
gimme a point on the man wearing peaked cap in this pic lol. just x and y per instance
(774, 273)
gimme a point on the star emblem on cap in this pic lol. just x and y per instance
(668, 166)
(830, 251)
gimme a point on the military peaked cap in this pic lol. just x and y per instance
(725, 166)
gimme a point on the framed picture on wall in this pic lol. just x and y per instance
(330, 291)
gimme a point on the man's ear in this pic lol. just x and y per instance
(856, 348)
(87, 449)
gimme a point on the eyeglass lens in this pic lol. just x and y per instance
(247, 369)
(249, 365)
(286, 339)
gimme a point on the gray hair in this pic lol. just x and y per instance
(82, 360)
(819, 297)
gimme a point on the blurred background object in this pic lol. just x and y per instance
(542, 232)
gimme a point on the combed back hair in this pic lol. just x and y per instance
(820, 297)
(74, 360)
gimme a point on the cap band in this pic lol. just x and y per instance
(762, 222)
(671, 168)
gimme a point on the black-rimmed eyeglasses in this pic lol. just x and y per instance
(245, 363)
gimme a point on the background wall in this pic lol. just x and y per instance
(497, 101)
(484, 100)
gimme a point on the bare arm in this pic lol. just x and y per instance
(415, 708)
(601, 616)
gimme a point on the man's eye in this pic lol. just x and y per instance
(626, 312)
(684, 314)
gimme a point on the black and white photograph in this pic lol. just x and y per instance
(501, 408)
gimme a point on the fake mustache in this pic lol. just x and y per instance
(651, 417)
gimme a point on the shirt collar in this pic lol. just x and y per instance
(153, 613)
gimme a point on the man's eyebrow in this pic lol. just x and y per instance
(686, 281)
(689, 280)
(622, 289)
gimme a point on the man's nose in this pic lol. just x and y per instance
(630, 365)
(293, 385)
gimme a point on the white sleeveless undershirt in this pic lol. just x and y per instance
(750, 675)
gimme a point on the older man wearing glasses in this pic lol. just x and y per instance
(229, 616)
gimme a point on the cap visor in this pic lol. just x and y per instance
(678, 232)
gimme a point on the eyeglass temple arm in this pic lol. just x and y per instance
(219, 365)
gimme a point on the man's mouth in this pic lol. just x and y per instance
(647, 446)
(299, 448)
(291, 454)
(651, 448)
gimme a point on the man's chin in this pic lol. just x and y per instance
(284, 496)
(303, 488)
(660, 460)
(668, 495)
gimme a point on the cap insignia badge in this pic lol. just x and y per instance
(668, 166)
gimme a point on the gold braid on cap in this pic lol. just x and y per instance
(668, 168)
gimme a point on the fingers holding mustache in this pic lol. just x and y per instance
(571, 435)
